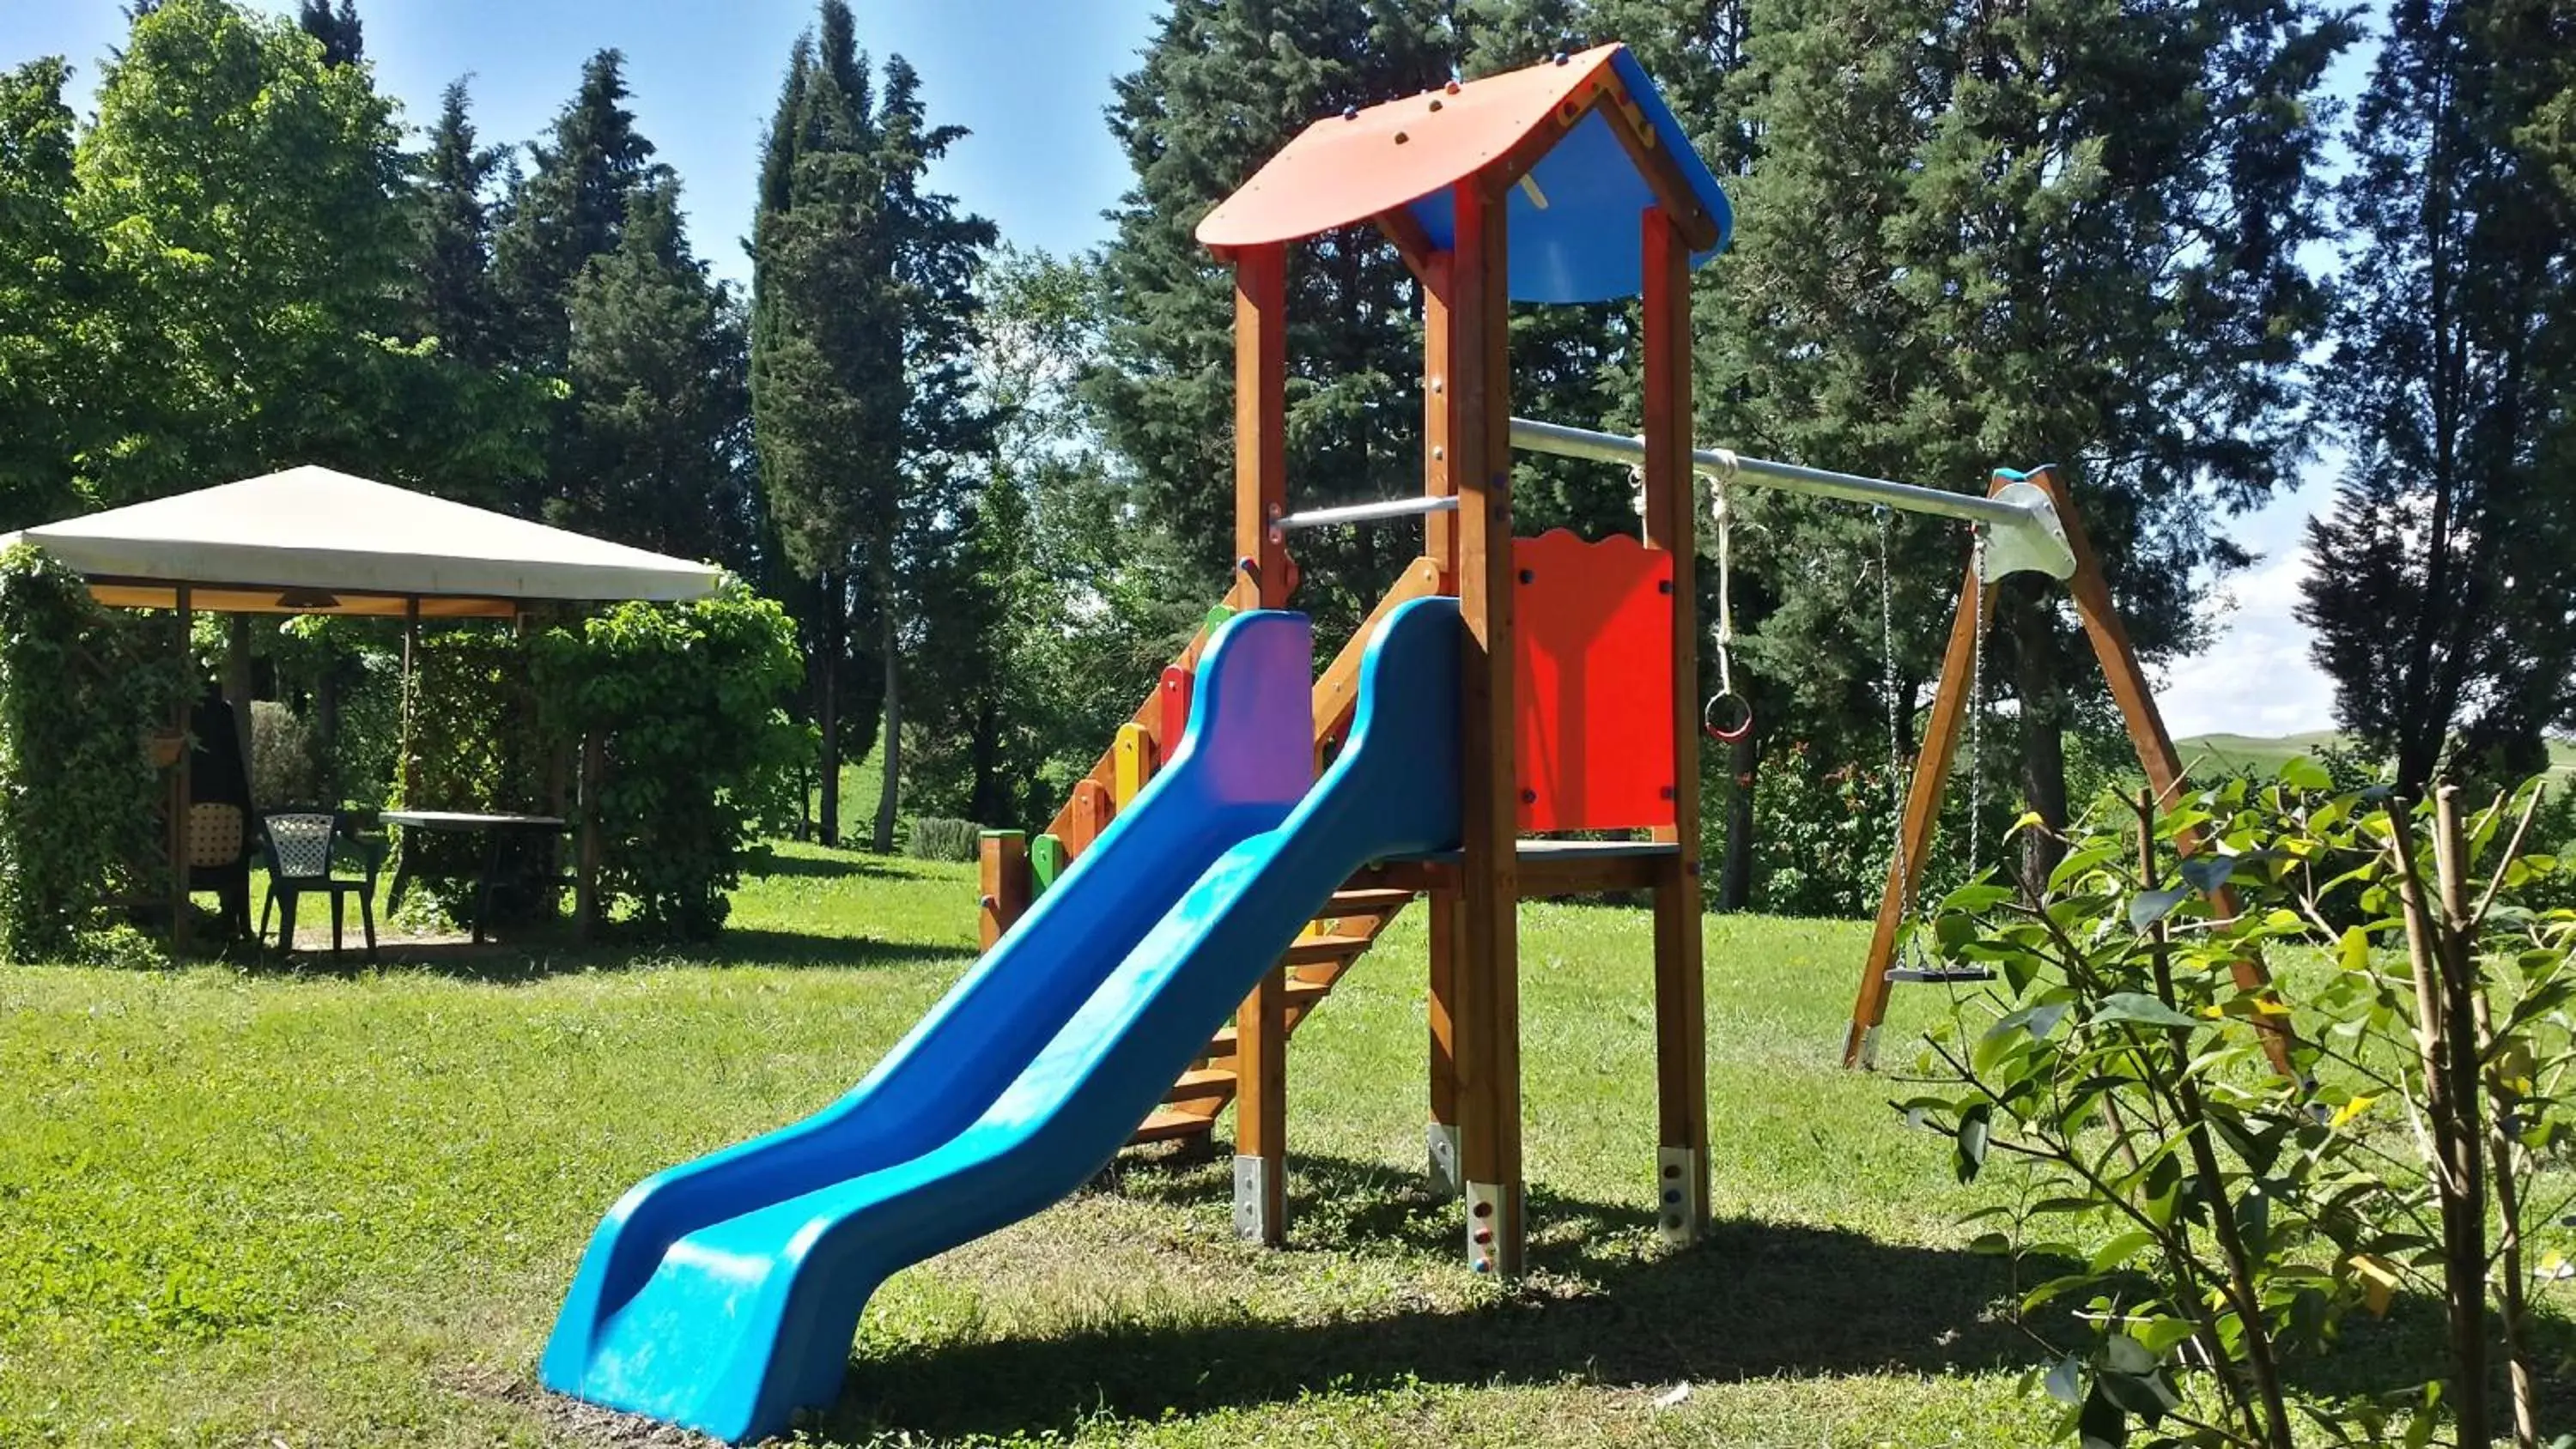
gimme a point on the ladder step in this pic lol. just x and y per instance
(1363, 903)
(1208, 1084)
(1168, 1125)
(1324, 950)
(1306, 993)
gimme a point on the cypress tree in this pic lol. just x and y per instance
(658, 382)
(570, 208)
(861, 387)
(1221, 88)
(2442, 596)
(343, 37)
(450, 283)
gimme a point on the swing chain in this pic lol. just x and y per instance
(1906, 886)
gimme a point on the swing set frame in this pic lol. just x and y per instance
(2031, 526)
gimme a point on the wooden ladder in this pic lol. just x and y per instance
(1316, 961)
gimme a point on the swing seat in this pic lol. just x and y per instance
(1941, 974)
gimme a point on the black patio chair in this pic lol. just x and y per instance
(303, 849)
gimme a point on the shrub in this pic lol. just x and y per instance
(2215, 1215)
(687, 701)
(938, 837)
(284, 764)
(79, 688)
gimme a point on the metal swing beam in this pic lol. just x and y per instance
(2030, 526)
(2024, 533)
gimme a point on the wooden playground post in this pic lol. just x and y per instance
(1260, 497)
(1440, 546)
(1681, 1019)
(1002, 881)
(1474, 375)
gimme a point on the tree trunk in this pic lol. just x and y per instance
(2043, 735)
(890, 751)
(1735, 875)
(827, 678)
(326, 726)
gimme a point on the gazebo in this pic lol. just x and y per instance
(312, 540)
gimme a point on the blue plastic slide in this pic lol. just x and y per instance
(724, 1294)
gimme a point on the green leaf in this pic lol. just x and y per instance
(2065, 1381)
(1975, 1127)
(2121, 1249)
(2100, 1424)
(2207, 873)
(2302, 773)
(2136, 1006)
(2148, 907)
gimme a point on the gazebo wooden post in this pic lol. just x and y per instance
(410, 687)
(180, 789)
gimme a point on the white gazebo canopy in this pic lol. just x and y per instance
(313, 541)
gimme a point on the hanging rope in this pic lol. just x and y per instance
(1728, 716)
(1908, 897)
(1976, 698)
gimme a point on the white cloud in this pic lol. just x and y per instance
(2256, 678)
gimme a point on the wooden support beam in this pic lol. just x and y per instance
(1002, 884)
(2091, 589)
(1442, 1145)
(591, 848)
(1922, 812)
(1260, 497)
(1473, 374)
(1681, 1014)
(1439, 475)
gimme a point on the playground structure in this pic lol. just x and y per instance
(1147, 955)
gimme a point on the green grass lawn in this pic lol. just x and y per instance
(323, 1208)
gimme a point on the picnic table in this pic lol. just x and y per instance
(492, 827)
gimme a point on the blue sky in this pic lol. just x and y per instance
(1029, 78)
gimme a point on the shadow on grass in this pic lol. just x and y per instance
(537, 956)
(840, 864)
(1755, 1300)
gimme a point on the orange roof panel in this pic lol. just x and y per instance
(1345, 169)
(1574, 215)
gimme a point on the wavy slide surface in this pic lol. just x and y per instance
(723, 1294)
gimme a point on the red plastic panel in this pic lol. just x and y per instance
(1593, 706)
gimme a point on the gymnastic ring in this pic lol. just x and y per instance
(1722, 708)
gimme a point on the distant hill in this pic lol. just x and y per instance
(2267, 752)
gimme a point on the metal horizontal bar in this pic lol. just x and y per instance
(1539, 437)
(1369, 512)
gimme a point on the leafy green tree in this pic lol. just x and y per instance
(2442, 597)
(659, 394)
(2060, 232)
(244, 192)
(50, 342)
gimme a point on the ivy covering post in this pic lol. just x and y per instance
(698, 757)
(77, 791)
